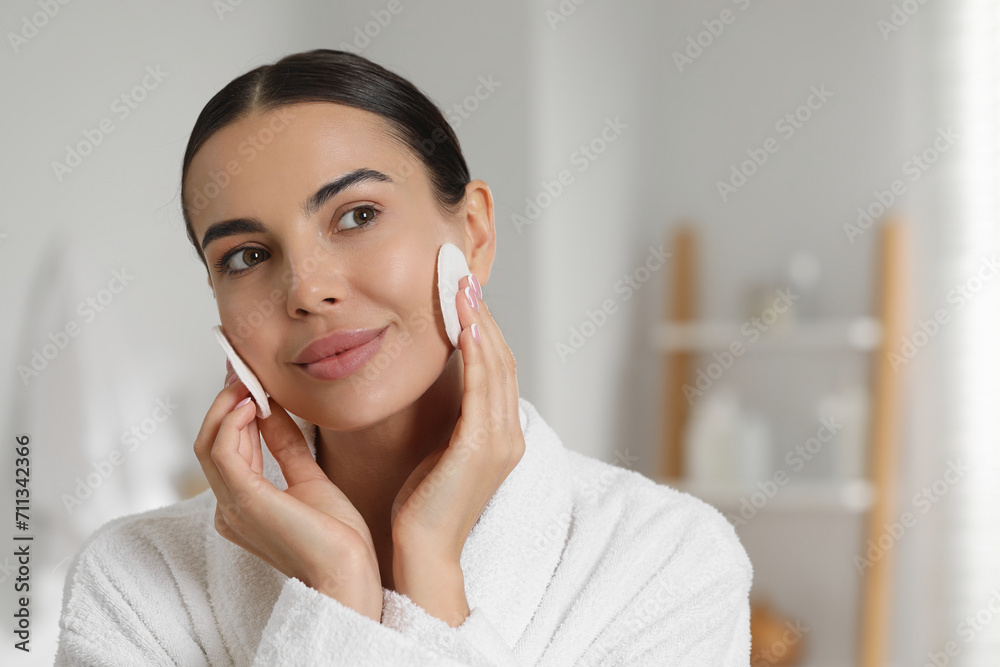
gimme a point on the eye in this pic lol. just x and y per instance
(360, 216)
(247, 256)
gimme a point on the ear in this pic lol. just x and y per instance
(481, 243)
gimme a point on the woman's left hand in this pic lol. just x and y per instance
(442, 499)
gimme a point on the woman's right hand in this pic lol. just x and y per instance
(311, 531)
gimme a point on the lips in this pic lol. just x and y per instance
(336, 343)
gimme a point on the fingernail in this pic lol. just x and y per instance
(476, 285)
(475, 332)
(473, 301)
(231, 379)
(242, 403)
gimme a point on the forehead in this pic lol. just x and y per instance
(284, 155)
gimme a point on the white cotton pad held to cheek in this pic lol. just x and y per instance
(244, 373)
(451, 267)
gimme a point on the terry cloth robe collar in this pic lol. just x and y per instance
(529, 515)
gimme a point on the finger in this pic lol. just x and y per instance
(227, 454)
(223, 404)
(483, 402)
(496, 401)
(287, 444)
(504, 423)
(507, 361)
(480, 423)
(257, 462)
(246, 443)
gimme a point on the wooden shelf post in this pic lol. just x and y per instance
(876, 614)
(680, 294)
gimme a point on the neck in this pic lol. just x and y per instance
(371, 464)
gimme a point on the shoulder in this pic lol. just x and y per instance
(630, 508)
(668, 568)
(179, 524)
(129, 549)
(136, 591)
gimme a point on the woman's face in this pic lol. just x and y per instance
(364, 257)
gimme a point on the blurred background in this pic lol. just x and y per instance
(745, 248)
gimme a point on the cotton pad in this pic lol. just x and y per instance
(244, 373)
(451, 267)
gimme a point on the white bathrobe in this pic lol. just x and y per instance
(573, 562)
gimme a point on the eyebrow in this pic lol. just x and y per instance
(315, 202)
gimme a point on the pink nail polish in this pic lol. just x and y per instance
(475, 284)
(471, 295)
(475, 332)
(231, 379)
(242, 403)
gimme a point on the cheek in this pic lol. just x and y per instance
(406, 276)
(248, 322)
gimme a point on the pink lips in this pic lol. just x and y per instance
(341, 353)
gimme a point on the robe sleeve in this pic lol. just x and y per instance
(307, 627)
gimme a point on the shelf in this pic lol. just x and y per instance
(858, 333)
(854, 495)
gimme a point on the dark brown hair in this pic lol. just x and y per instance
(341, 77)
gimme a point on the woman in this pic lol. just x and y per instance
(409, 507)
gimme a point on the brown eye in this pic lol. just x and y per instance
(251, 256)
(360, 216)
(244, 259)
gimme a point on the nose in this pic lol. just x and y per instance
(312, 283)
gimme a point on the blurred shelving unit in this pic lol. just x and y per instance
(845, 495)
(872, 496)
